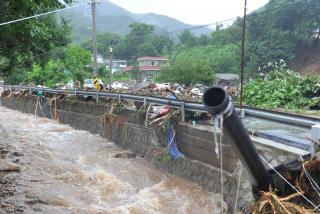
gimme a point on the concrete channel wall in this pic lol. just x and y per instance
(200, 165)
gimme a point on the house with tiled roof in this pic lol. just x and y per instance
(149, 66)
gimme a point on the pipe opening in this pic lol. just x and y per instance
(214, 97)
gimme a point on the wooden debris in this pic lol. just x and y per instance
(294, 203)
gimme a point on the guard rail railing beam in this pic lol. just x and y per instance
(290, 119)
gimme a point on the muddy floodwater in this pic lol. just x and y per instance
(70, 171)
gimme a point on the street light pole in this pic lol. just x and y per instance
(94, 34)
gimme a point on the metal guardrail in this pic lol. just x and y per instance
(291, 119)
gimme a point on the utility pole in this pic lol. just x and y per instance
(242, 53)
(170, 43)
(110, 74)
(94, 39)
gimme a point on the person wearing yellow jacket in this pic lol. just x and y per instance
(98, 84)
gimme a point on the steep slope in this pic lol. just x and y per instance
(115, 19)
(307, 63)
(166, 22)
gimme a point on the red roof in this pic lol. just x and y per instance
(128, 68)
(149, 68)
(152, 58)
(143, 68)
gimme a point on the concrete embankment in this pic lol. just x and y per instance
(200, 165)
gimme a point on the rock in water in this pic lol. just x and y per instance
(7, 166)
(125, 155)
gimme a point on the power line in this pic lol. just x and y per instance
(173, 31)
(42, 14)
(235, 18)
(203, 26)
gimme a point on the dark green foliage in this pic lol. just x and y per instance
(104, 42)
(76, 59)
(140, 41)
(146, 49)
(25, 42)
(54, 72)
(199, 64)
(282, 29)
(73, 65)
(188, 67)
(188, 39)
(283, 88)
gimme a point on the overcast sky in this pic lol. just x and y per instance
(196, 12)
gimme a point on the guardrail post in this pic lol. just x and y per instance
(183, 115)
(119, 98)
(75, 92)
(97, 96)
(30, 90)
(10, 89)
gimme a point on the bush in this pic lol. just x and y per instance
(54, 72)
(282, 88)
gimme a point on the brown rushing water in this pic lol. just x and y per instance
(71, 171)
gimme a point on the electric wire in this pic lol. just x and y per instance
(311, 180)
(283, 178)
(42, 14)
(168, 32)
(238, 189)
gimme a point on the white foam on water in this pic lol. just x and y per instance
(74, 172)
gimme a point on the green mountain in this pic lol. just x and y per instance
(114, 19)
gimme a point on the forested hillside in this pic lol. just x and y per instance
(282, 30)
(112, 18)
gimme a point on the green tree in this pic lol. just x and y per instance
(77, 61)
(187, 39)
(147, 49)
(282, 30)
(29, 41)
(104, 42)
(139, 34)
(163, 44)
(224, 59)
(188, 67)
(51, 74)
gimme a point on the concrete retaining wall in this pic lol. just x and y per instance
(201, 164)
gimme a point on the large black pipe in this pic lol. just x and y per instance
(217, 101)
